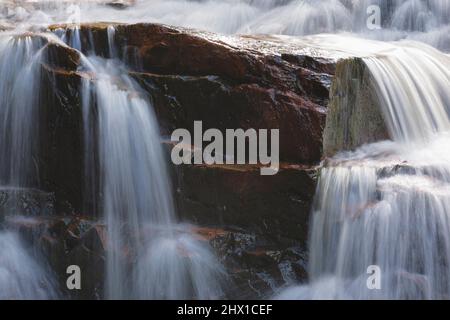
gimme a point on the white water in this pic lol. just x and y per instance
(149, 255)
(22, 274)
(19, 99)
(388, 204)
(423, 20)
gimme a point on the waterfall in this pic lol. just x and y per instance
(412, 85)
(149, 255)
(423, 20)
(19, 98)
(22, 273)
(21, 276)
(302, 17)
(388, 204)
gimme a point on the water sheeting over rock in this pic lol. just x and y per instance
(422, 20)
(386, 204)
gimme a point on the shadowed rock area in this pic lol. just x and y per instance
(354, 115)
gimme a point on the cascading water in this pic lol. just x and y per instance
(385, 204)
(149, 256)
(388, 204)
(412, 84)
(423, 20)
(22, 275)
(19, 70)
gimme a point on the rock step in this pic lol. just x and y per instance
(237, 195)
(26, 202)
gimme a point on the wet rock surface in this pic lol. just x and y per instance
(28, 202)
(276, 206)
(194, 76)
(227, 87)
(66, 241)
(61, 162)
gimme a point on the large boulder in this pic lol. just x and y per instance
(254, 83)
(61, 129)
(276, 207)
(242, 82)
(225, 86)
(195, 76)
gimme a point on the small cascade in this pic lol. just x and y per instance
(388, 204)
(23, 274)
(149, 256)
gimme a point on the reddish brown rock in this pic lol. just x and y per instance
(61, 139)
(191, 76)
(227, 87)
(276, 207)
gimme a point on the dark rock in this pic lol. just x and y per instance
(95, 239)
(403, 169)
(89, 255)
(316, 64)
(180, 100)
(189, 77)
(227, 87)
(277, 206)
(192, 77)
(61, 57)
